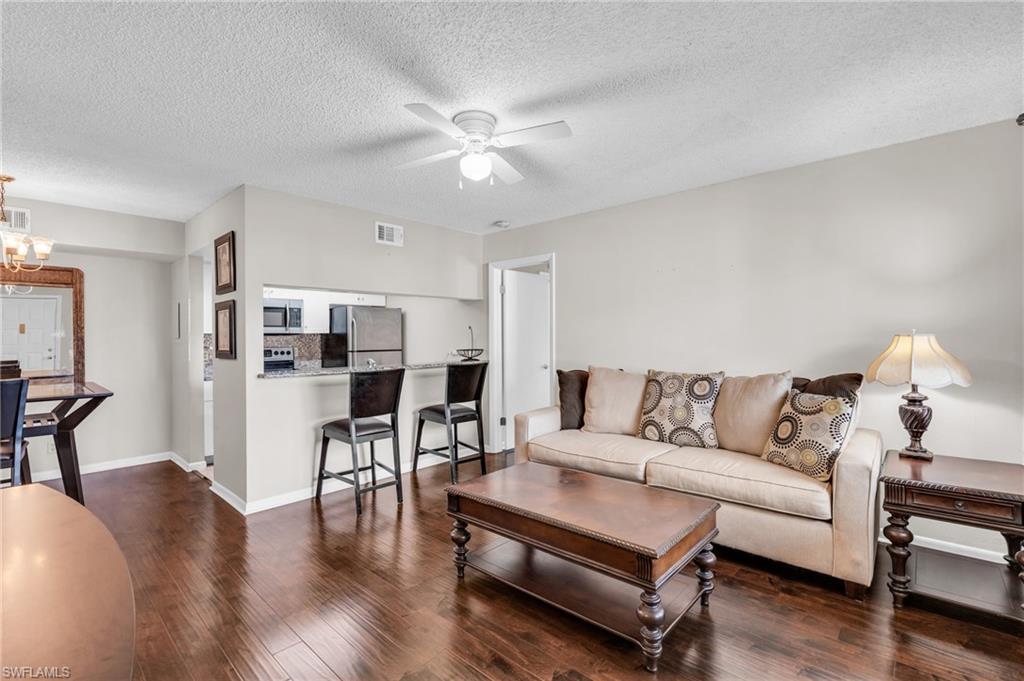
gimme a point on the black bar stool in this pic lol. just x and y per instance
(371, 394)
(464, 382)
(13, 445)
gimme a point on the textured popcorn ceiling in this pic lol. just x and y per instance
(161, 109)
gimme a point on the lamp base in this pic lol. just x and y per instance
(916, 417)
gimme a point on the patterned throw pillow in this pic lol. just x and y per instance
(810, 433)
(678, 408)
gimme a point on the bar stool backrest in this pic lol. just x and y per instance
(465, 382)
(375, 393)
(13, 393)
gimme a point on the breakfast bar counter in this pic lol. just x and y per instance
(340, 371)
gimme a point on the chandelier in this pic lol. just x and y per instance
(17, 245)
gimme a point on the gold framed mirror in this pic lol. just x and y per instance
(42, 319)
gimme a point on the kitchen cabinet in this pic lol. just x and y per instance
(316, 305)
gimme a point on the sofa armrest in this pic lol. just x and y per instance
(855, 507)
(533, 424)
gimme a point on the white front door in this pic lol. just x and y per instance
(527, 370)
(29, 331)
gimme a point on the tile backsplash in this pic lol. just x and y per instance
(306, 345)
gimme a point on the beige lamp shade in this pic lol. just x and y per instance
(918, 359)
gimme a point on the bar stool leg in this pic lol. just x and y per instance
(355, 477)
(398, 465)
(448, 427)
(26, 471)
(455, 438)
(419, 437)
(373, 465)
(323, 465)
(480, 441)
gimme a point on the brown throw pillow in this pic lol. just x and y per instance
(747, 409)
(572, 393)
(839, 385)
(613, 401)
(810, 433)
(678, 408)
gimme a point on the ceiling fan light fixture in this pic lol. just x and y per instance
(475, 166)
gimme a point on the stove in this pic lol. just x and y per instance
(278, 359)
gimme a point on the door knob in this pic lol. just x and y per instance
(544, 366)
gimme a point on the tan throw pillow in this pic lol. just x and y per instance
(612, 404)
(678, 408)
(748, 408)
(810, 433)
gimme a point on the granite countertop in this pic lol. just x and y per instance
(340, 371)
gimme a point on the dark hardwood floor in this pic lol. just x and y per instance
(309, 591)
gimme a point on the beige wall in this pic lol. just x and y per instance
(186, 354)
(127, 332)
(87, 229)
(229, 376)
(813, 269)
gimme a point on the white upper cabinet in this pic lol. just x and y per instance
(316, 305)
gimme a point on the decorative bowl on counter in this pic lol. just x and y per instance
(469, 354)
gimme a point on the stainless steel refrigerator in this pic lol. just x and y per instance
(360, 334)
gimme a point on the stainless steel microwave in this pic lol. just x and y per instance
(282, 315)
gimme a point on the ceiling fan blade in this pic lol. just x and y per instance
(505, 172)
(538, 133)
(432, 117)
(434, 158)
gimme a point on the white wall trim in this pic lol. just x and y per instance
(54, 474)
(495, 336)
(185, 465)
(954, 548)
(227, 495)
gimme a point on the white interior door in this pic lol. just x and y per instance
(526, 340)
(29, 331)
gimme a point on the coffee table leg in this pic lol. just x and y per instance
(652, 617)
(460, 535)
(706, 562)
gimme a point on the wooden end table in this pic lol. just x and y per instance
(985, 494)
(592, 546)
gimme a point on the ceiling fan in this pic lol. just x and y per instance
(474, 131)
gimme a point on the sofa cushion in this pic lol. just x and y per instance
(810, 433)
(613, 401)
(741, 478)
(617, 456)
(572, 395)
(747, 409)
(838, 385)
(678, 408)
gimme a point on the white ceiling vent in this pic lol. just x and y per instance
(392, 235)
(18, 220)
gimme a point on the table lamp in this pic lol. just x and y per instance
(919, 360)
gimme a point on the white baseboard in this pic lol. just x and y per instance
(185, 465)
(227, 495)
(330, 485)
(41, 476)
(954, 548)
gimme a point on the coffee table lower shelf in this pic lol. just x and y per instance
(597, 598)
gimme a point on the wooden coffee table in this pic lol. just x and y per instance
(599, 539)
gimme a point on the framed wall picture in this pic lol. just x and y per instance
(224, 330)
(224, 263)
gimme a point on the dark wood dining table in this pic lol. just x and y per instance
(68, 610)
(62, 422)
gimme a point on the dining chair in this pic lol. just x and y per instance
(13, 445)
(464, 382)
(371, 394)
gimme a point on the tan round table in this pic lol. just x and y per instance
(66, 601)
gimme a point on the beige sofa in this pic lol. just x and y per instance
(767, 509)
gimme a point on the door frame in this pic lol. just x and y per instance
(495, 328)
